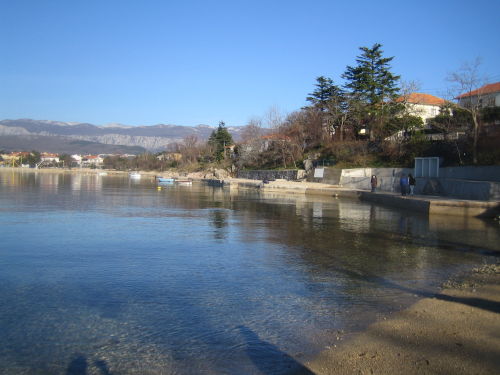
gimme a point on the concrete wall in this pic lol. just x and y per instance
(460, 189)
(473, 183)
(387, 178)
(330, 176)
(490, 173)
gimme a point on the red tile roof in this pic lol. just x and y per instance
(275, 137)
(419, 98)
(486, 89)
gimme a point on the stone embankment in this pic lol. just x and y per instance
(417, 203)
(431, 204)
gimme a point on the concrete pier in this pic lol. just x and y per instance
(433, 205)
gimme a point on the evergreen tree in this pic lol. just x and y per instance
(325, 90)
(326, 102)
(372, 83)
(219, 139)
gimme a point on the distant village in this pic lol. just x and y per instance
(37, 160)
(46, 159)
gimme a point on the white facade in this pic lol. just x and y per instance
(49, 158)
(91, 160)
(485, 100)
(422, 105)
(77, 158)
(424, 111)
(486, 96)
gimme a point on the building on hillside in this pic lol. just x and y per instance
(170, 156)
(77, 158)
(47, 157)
(128, 156)
(422, 105)
(269, 140)
(92, 161)
(486, 96)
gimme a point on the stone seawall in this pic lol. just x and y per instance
(289, 175)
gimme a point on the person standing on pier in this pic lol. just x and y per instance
(412, 182)
(373, 182)
(404, 183)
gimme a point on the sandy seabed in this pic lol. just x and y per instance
(456, 331)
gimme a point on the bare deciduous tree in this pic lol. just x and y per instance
(189, 148)
(466, 88)
(252, 130)
(274, 117)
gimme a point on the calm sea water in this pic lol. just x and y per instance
(105, 275)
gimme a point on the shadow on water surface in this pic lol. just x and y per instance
(268, 359)
(480, 303)
(103, 367)
(79, 366)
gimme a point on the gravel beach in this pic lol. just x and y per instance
(456, 331)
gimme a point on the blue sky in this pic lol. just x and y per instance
(147, 62)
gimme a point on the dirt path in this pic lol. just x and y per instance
(455, 332)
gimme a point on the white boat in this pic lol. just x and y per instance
(135, 175)
(183, 182)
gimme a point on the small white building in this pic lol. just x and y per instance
(49, 158)
(77, 158)
(92, 160)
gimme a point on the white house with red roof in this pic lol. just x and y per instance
(486, 96)
(425, 106)
(48, 157)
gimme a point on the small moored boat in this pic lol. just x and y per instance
(166, 180)
(134, 175)
(183, 182)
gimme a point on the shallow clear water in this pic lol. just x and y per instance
(105, 275)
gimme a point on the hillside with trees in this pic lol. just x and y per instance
(365, 121)
(354, 124)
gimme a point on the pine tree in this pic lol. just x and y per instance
(372, 83)
(325, 90)
(325, 102)
(219, 139)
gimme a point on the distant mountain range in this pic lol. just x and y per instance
(70, 137)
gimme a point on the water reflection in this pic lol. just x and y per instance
(108, 276)
(219, 218)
